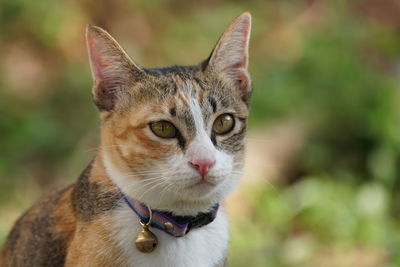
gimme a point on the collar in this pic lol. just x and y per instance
(177, 226)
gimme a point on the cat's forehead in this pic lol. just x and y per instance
(181, 84)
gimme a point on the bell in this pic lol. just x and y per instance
(146, 241)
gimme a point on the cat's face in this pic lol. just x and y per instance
(173, 138)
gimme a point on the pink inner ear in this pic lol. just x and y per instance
(94, 56)
(98, 60)
(104, 91)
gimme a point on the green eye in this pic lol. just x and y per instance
(163, 129)
(223, 124)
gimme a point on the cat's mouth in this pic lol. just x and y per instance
(202, 183)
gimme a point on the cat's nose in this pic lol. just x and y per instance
(202, 165)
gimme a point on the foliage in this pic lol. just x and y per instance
(317, 222)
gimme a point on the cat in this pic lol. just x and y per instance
(171, 149)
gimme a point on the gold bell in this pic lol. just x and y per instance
(146, 241)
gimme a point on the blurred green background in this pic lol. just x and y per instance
(322, 179)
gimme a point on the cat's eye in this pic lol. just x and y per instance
(163, 129)
(223, 124)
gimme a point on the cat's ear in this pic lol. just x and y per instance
(230, 55)
(112, 69)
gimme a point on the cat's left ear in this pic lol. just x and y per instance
(230, 55)
(113, 70)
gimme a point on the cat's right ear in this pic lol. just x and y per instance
(230, 56)
(112, 69)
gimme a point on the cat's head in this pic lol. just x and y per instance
(173, 137)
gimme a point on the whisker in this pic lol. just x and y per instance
(152, 187)
(165, 189)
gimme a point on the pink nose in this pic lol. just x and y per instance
(202, 165)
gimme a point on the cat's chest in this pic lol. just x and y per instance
(202, 247)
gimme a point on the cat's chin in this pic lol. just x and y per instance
(199, 198)
(186, 201)
(200, 189)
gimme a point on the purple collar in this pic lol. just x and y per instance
(177, 226)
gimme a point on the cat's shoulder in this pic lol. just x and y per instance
(41, 234)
